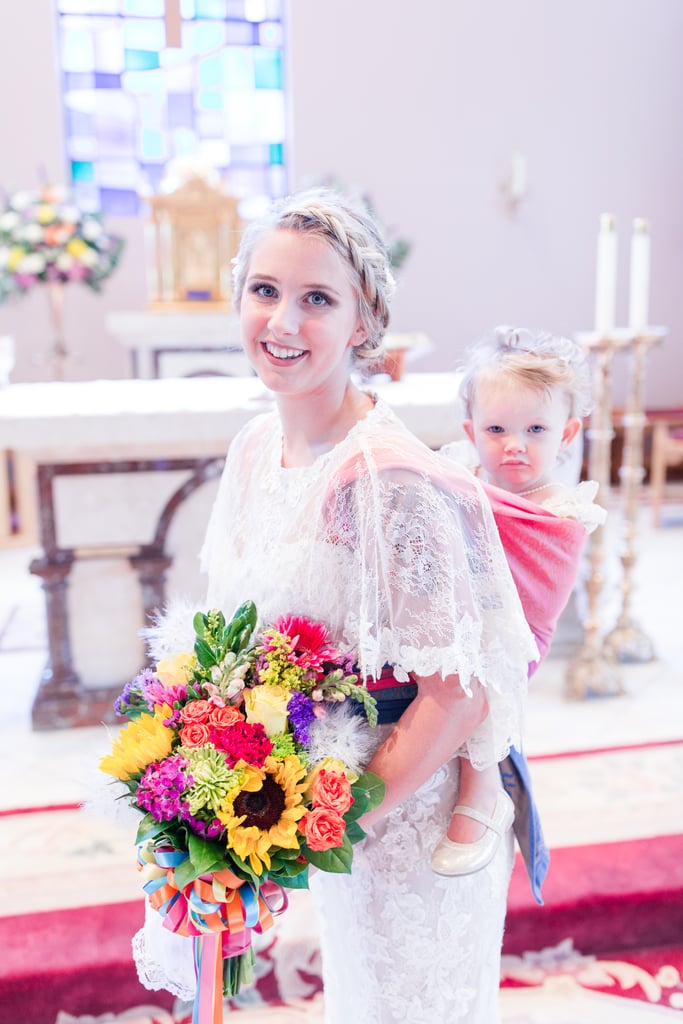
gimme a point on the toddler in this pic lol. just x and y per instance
(524, 396)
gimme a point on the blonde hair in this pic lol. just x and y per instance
(352, 233)
(537, 360)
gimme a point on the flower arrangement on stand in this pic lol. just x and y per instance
(46, 239)
(245, 759)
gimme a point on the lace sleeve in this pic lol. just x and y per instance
(433, 592)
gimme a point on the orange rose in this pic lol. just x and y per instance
(195, 735)
(223, 718)
(196, 712)
(323, 828)
(333, 790)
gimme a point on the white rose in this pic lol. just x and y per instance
(88, 258)
(64, 261)
(31, 233)
(20, 200)
(34, 263)
(9, 220)
(91, 229)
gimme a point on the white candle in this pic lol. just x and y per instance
(606, 276)
(639, 295)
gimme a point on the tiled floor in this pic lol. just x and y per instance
(629, 794)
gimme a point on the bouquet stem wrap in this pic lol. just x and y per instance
(219, 911)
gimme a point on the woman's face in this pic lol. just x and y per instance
(519, 432)
(299, 314)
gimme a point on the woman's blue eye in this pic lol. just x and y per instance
(266, 290)
(318, 299)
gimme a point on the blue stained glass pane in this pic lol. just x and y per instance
(238, 70)
(210, 72)
(152, 145)
(79, 80)
(210, 99)
(144, 35)
(184, 142)
(79, 122)
(210, 125)
(234, 8)
(141, 60)
(202, 36)
(153, 174)
(210, 8)
(277, 180)
(270, 33)
(77, 51)
(250, 154)
(120, 202)
(82, 170)
(145, 8)
(180, 109)
(241, 33)
(144, 83)
(106, 81)
(82, 147)
(276, 153)
(267, 68)
(187, 8)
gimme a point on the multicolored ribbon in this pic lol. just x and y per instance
(218, 911)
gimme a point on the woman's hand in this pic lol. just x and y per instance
(431, 730)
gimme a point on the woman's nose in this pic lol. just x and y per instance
(283, 319)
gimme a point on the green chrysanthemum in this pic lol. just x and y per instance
(212, 779)
(284, 746)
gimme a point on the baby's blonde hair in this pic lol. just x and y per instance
(537, 360)
(352, 233)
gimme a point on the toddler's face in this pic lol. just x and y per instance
(519, 432)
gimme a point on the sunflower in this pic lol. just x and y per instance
(141, 742)
(264, 811)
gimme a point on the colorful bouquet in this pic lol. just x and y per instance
(245, 759)
(45, 237)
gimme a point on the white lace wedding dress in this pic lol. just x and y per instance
(397, 552)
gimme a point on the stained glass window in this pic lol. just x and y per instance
(132, 103)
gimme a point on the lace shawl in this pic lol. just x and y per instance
(395, 549)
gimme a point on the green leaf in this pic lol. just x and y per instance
(372, 786)
(337, 861)
(200, 622)
(205, 655)
(149, 828)
(354, 832)
(185, 873)
(203, 853)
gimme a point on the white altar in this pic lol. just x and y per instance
(125, 474)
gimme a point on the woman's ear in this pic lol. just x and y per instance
(570, 431)
(359, 335)
(469, 429)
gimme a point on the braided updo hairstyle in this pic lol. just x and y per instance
(352, 233)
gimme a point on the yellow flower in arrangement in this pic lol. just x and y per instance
(144, 740)
(264, 812)
(268, 705)
(177, 670)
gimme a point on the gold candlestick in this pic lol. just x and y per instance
(594, 671)
(627, 642)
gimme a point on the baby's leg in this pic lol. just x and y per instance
(477, 789)
(484, 813)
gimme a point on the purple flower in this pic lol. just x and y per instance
(301, 713)
(205, 829)
(162, 786)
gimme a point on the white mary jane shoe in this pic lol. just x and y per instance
(465, 858)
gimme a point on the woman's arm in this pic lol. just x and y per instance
(426, 736)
